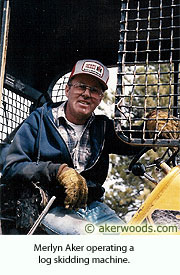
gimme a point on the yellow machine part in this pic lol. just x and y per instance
(165, 196)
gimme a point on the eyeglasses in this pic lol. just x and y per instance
(94, 92)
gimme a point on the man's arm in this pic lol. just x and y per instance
(21, 161)
(116, 146)
(23, 167)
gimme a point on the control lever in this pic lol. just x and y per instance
(138, 169)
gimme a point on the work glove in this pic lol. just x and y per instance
(75, 187)
(168, 126)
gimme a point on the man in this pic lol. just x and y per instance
(64, 149)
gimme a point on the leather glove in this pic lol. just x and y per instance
(75, 187)
(167, 126)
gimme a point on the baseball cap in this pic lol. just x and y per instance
(92, 67)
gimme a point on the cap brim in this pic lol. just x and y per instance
(105, 87)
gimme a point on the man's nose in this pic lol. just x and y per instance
(87, 92)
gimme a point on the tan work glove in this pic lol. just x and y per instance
(75, 187)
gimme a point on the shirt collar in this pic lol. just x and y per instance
(59, 114)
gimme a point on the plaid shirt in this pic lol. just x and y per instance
(79, 147)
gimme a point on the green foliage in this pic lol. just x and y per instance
(152, 84)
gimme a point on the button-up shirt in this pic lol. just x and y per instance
(76, 137)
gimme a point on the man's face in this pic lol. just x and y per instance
(80, 103)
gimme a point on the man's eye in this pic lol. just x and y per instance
(94, 90)
(82, 86)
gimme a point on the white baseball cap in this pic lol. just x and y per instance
(92, 67)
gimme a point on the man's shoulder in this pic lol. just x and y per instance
(46, 107)
(102, 117)
(52, 105)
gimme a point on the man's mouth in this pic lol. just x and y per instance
(84, 103)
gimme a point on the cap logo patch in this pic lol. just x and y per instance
(93, 68)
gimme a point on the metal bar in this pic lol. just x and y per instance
(22, 89)
(44, 212)
(4, 43)
(176, 89)
(153, 8)
(147, 67)
(152, 62)
(136, 54)
(123, 27)
(121, 45)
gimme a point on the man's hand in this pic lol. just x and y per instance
(168, 126)
(75, 188)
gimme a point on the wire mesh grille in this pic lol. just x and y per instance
(148, 72)
(58, 91)
(13, 110)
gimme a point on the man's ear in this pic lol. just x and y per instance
(101, 98)
(67, 90)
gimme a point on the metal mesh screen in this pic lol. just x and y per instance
(58, 91)
(13, 110)
(148, 71)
